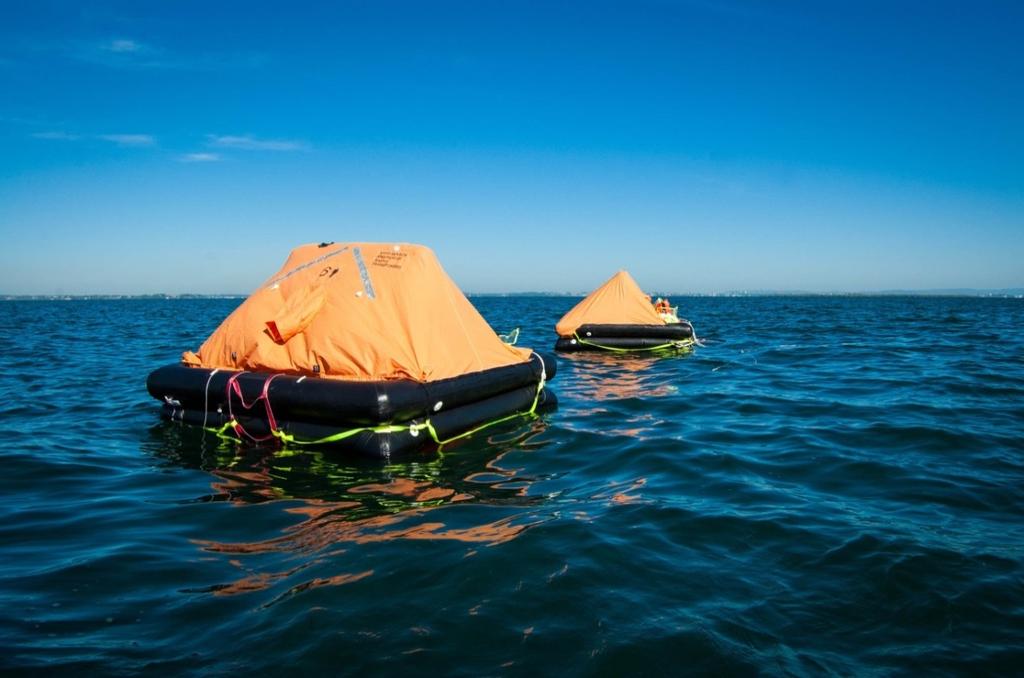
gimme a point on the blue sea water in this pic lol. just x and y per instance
(828, 485)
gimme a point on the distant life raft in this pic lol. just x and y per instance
(366, 347)
(618, 316)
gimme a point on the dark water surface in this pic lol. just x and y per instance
(828, 485)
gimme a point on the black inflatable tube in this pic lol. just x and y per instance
(447, 424)
(623, 343)
(671, 332)
(336, 402)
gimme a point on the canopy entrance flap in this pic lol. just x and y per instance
(619, 301)
(358, 311)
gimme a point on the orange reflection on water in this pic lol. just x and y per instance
(340, 502)
(316, 508)
(402, 487)
(256, 582)
(435, 493)
(232, 482)
(609, 377)
(314, 534)
(336, 580)
(263, 581)
(621, 495)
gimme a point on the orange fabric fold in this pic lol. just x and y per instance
(297, 312)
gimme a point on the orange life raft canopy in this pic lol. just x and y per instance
(358, 311)
(619, 316)
(363, 344)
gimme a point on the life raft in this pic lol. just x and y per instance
(618, 316)
(365, 346)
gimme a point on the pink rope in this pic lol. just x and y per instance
(233, 386)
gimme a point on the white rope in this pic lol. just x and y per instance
(206, 396)
(696, 340)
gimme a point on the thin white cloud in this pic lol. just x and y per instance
(129, 139)
(249, 143)
(120, 53)
(199, 157)
(128, 53)
(136, 140)
(122, 46)
(56, 136)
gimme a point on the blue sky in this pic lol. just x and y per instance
(704, 145)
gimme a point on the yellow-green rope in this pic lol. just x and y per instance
(414, 429)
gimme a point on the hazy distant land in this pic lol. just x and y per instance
(1008, 293)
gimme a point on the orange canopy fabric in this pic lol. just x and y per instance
(358, 311)
(619, 301)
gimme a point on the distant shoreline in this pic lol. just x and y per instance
(1011, 293)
